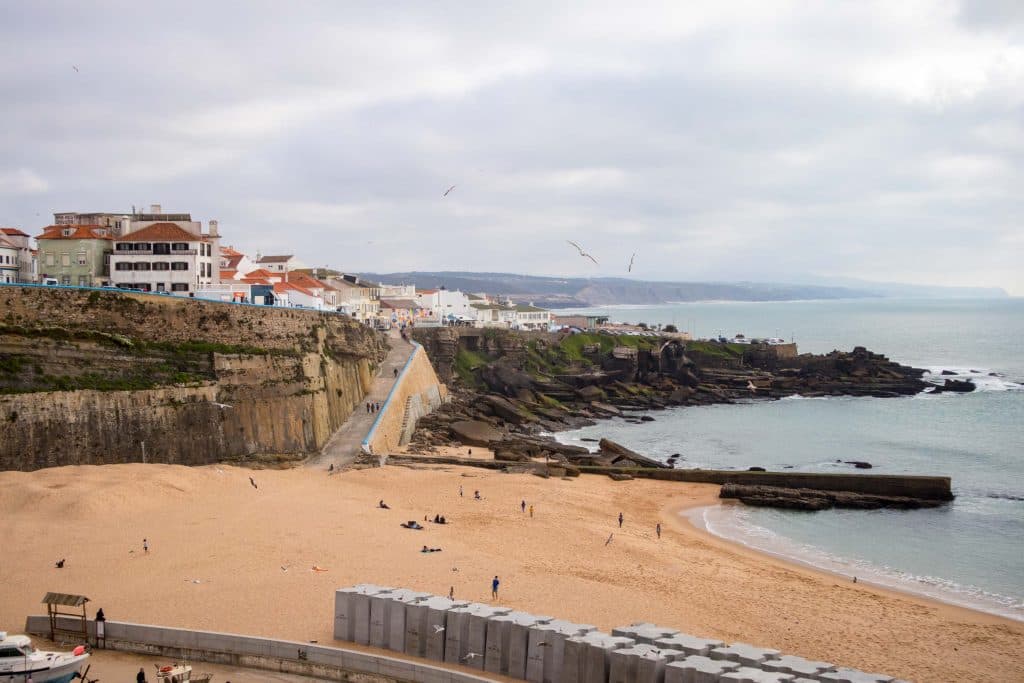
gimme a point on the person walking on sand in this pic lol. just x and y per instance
(145, 545)
(396, 373)
(657, 529)
(460, 490)
(494, 587)
(620, 520)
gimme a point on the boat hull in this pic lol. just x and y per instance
(62, 673)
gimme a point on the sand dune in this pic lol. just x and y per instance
(226, 556)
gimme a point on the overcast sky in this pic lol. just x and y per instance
(729, 141)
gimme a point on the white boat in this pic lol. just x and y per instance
(20, 662)
(180, 673)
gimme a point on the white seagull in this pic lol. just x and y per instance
(471, 655)
(448, 190)
(582, 253)
(438, 629)
(750, 385)
(222, 406)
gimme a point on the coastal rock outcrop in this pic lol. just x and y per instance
(811, 499)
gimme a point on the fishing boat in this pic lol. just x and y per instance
(179, 673)
(20, 662)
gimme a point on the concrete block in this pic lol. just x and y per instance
(644, 632)
(747, 655)
(587, 657)
(400, 598)
(467, 632)
(546, 647)
(506, 642)
(379, 617)
(691, 645)
(697, 669)
(798, 666)
(436, 619)
(843, 675)
(746, 674)
(641, 663)
(351, 604)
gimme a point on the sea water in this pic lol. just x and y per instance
(970, 552)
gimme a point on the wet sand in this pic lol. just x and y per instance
(229, 557)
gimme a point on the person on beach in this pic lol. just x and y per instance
(494, 587)
(145, 546)
(141, 676)
(451, 593)
(367, 408)
(657, 529)
(476, 495)
(382, 505)
(531, 511)
(522, 505)
(460, 490)
(620, 520)
(396, 373)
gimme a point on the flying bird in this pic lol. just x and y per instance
(631, 259)
(75, 68)
(582, 253)
(544, 644)
(609, 538)
(221, 405)
(253, 482)
(750, 385)
(471, 655)
(438, 629)
(448, 190)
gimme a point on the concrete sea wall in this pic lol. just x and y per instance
(416, 392)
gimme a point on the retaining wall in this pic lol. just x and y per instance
(416, 392)
(331, 663)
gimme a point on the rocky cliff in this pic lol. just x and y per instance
(90, 377)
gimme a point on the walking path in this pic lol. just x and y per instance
(344, 445)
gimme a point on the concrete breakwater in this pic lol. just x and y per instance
(95, 377)
(543, 649)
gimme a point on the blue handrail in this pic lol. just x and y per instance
(376, 422)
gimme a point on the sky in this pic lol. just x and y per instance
(774, 141)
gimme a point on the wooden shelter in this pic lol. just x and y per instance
(54, 603)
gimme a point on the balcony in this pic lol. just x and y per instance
(150, 252)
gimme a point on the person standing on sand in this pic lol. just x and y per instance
(657, 529)
(531, 512)
(141, 676)
(620, 520)
(145, 546)
(460, 490)
(494, 587)
(522, 505)
(451, 593)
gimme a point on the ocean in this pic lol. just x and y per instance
(970, 552)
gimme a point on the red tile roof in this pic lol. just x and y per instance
(13, 232)
(6, 244)
(168, 232)
(78, 232)
(275, 259)
(288, 286)
(230, 251)
(263, 273)
(228, 274)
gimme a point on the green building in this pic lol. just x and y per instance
(75, 254)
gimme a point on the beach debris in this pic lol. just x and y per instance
(253, 482)
(609, 538)
(192, 581)
(318, 568)
(284, 568)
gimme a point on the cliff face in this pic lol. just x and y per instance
(97, 377)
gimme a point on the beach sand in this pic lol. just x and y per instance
(219, 550)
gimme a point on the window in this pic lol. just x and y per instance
(67, 232)
(179, 265)
(83, 280)
(161, 265)
(123, 266)
(65, 279)
(124, 246)
(143, 246)
(180, 246)
(179, 287)
(49, 259)
(81, 258)
(161, 248)
(142, 265)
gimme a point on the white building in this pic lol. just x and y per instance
(279, 264)
(9, 261)
(27, 263)
(529, 317)
(166, 257)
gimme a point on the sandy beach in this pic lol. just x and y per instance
(226, 556)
